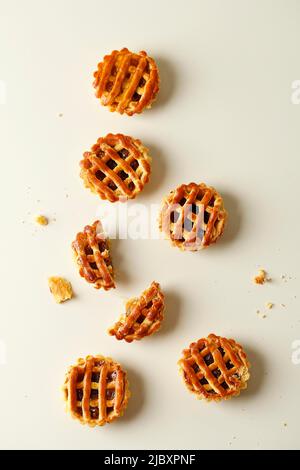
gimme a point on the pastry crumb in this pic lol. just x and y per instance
(41, 220)
(261, 315)
(60, 115)
(261, 277)
(60, 288)
(285, 425)
(269, 305)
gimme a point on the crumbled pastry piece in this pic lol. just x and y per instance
(60, 288)
(41, 220)
(269, 305)
(261, 277)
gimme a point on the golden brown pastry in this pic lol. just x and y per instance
(126, 82)
(116, 168)
(92, 256)
(143, 315)
(96, 390)
(60, 288)
(215, 368)
(193, 216)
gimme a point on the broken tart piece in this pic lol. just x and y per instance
(143, 315)
(96, 390)
(60, 288)
(92, 256)
(215, 368)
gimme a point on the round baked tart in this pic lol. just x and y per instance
(92, 256)
(143, 316)
(127, 82)
(193, 216)
(96, 390)
(116, 168)
(215, 368)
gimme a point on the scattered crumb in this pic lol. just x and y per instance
(269, 305)
(41, 220)
(285, 278)
(60, 288)
(261, 277)
(283, 305)
(261, 315)
(60, 115)
(285, 425)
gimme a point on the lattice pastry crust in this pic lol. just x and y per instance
(143, 315)
(193, 216)
(96, 390)
(92, 256)
(116, 168)
(126, 82)
(215, 368)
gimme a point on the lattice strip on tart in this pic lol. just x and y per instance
(92, 255)
(193, 216)
(143, 315)
(127, 82)
(215, 368)
(117, 168)
(96, 390)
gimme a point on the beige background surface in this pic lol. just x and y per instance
(224, 116)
